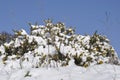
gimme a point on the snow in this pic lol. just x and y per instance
(2, 49)
(23, 32)
(72, 72)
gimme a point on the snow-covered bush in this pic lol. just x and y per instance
(55, 45)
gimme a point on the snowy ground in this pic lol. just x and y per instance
(72, 72)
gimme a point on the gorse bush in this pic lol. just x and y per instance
(55, 45)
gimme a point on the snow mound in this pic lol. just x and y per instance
(55, 45)
(55, 51)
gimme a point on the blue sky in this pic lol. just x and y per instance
(86, 15)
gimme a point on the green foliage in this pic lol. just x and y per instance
(78, 60)
(100, 62)
(8, 50)
(89, 59)
(27, 74)
(42, 59)
(55, 57)
(5, 37)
